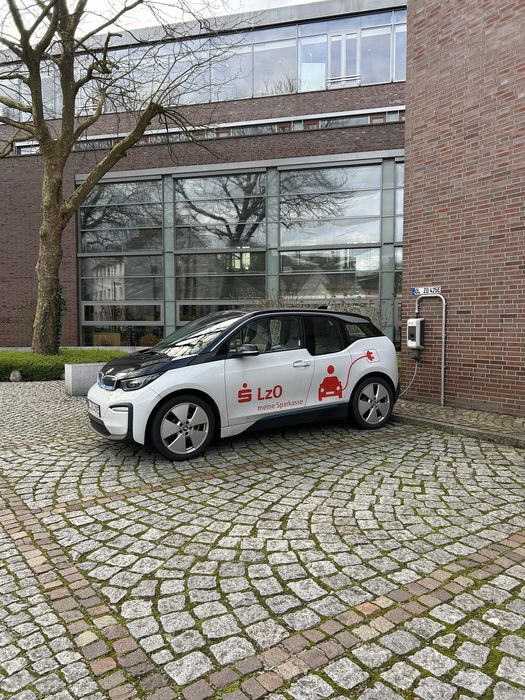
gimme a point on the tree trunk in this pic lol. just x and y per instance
(46, 327)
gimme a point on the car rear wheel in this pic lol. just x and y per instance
(183, 427)
(372, 403)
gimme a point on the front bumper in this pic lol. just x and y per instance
(120, 424)
(123, 415)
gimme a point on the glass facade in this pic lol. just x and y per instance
(122, 295)
(317, 55)
(231, 241)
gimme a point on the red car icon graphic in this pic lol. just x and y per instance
(330, 386)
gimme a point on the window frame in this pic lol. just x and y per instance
(224, 351)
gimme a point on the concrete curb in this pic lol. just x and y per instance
(481, 433)
(80, 378)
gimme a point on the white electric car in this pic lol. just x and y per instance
(234, 370)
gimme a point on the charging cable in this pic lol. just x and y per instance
(412, 380)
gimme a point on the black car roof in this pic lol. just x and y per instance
(299, 310)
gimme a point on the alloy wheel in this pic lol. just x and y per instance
(184, 428)
(373, 403)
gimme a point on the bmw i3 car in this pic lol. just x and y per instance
(232, 371)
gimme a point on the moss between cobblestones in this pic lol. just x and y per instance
(37, 368)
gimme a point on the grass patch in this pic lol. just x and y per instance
(38, 368)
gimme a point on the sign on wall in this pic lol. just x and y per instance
(434, 289)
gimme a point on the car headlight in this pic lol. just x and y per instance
(138, 382)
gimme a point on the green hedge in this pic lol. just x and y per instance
(37, 368)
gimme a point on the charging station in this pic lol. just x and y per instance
(416, 336)
(416, 333)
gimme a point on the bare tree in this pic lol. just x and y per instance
(60, 70)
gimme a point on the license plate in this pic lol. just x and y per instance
(93, 408)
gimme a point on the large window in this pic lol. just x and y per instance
(399, 203)
(221, 212)
(331, 206)
(220, 224)
(323, 274)
(116, 218)
(308, 235)
(342, 52)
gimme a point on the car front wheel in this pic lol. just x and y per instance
(372, 403)
(183, 427)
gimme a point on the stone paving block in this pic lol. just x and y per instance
(222, 678)
(447, 613)
(248, 665)
(504, 691)
(380, 692)
(345, 673)
(270, 680)
(504, 619)
(511, 644)
(432, 661)
(424, 627)
(372, 655)
(472, 680)
(189, 667)
(472, 654)
(401, 675)
(266, 633)
(232, 649)
(477, 630)
(433, 689)
(400, 642)
(310, 688)
(512, 669)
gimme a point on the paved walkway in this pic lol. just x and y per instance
(321, 562)
(497, 427)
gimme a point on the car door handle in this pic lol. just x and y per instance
(302, 363)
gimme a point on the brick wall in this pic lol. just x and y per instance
(20, 184)
(465, 197)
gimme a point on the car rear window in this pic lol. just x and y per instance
(357, 331)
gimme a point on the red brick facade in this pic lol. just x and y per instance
(465, 197)
(20, 182)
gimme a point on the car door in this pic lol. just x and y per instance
(274, 381)
(327, 344)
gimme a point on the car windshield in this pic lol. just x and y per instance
(195, 336)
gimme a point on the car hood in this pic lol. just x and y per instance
(139, 364)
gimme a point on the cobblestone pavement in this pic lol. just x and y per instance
(321, 562)
(492, 426)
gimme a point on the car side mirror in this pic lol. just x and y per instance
(245, 350)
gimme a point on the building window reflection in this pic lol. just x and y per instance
(343, 52)
(327, 228)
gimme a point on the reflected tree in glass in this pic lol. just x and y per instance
(230, 208)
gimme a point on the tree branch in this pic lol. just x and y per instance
(98, 64)
(15, 104)
(12, 46)
(20, 126)
(110, 21)
(15, 75)
(118, 151)
(51, 29)
(89, 121)
(17, 19)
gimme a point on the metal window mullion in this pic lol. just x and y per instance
(132, 324)
(134, 253)
(104, 205)
(349, 246)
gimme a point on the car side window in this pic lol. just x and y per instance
(269, 334)
(357, 331)
(325, 336)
